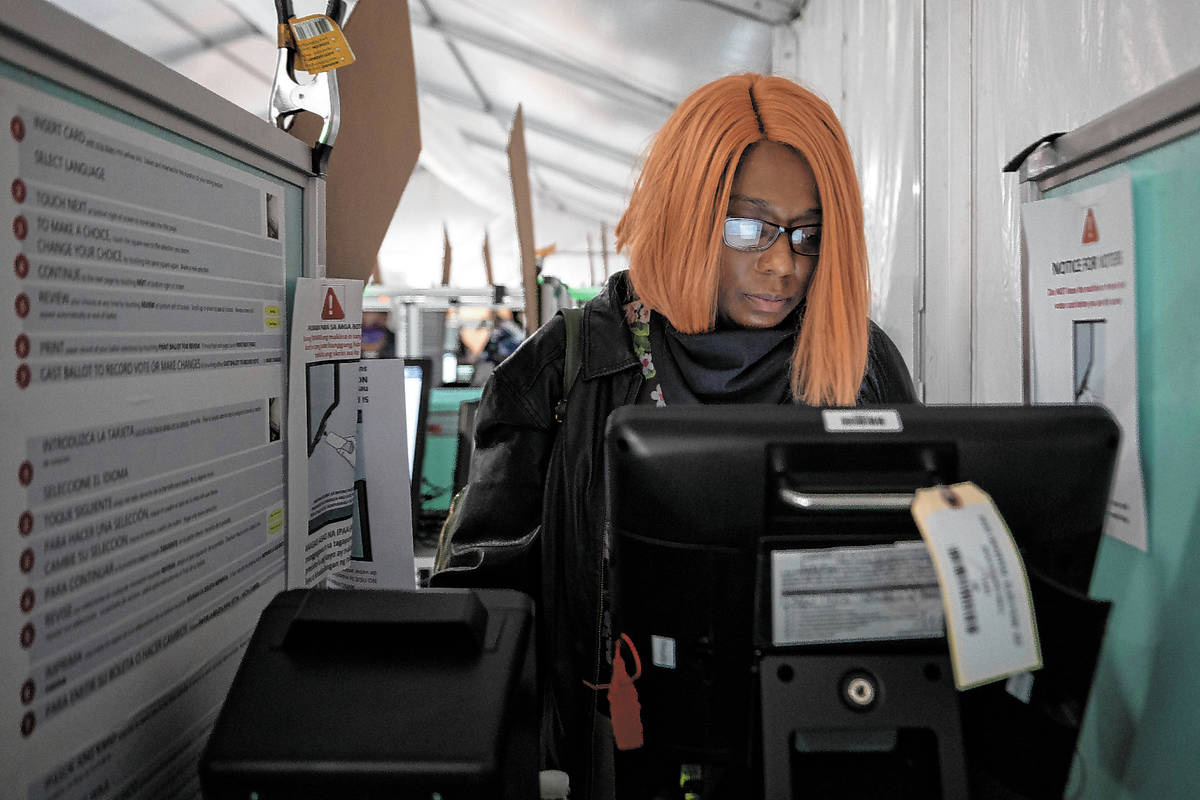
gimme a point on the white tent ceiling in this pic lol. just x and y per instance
(595, 79)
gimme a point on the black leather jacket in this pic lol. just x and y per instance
(532, 516)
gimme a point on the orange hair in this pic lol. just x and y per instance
(672, 227)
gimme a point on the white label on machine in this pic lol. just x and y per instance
(856, 420)
(851, 594)
(662, 651)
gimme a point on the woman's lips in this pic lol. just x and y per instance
(767, 302)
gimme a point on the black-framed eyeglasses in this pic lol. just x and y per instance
(755, 235)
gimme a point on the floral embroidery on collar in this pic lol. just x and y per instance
(637, 316)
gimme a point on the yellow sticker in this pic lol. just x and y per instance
(320, 44)
(275, 521)
(271, 311)
(271, 322)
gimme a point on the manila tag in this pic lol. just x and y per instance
(985, 591)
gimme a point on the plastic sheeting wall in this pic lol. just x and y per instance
(840, 45)
(936, 97)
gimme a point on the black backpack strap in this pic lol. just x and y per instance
(572, 317)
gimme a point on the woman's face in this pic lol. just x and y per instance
(759, 289)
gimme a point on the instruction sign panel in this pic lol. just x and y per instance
(1083, 324)
(142, 456)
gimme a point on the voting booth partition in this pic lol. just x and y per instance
(1139, 736)
(153, 232)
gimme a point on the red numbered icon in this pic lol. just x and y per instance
(23, 376)
(20, 228)
(25, 473)
(21, 306)
(26, 561)
(28, 691)
(27, 724)
(18, 190)
(21, 266)
(27, 635)
(27, 600)
(22, 346)
(16, 127)
(25, 523)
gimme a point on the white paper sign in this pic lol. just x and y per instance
(323, 426)
(1083, 324)
(989, 613)
(381, 549)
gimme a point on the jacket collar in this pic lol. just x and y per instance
(604, 336)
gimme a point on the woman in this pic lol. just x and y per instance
(747, 284)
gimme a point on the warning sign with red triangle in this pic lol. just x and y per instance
(332, 309)
(1090, 232)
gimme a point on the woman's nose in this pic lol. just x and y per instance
(778, 259)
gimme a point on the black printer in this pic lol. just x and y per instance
(366, 694)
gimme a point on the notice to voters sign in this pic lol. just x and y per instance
(1083, 324)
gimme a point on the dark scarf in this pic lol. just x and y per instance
(726, 365)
